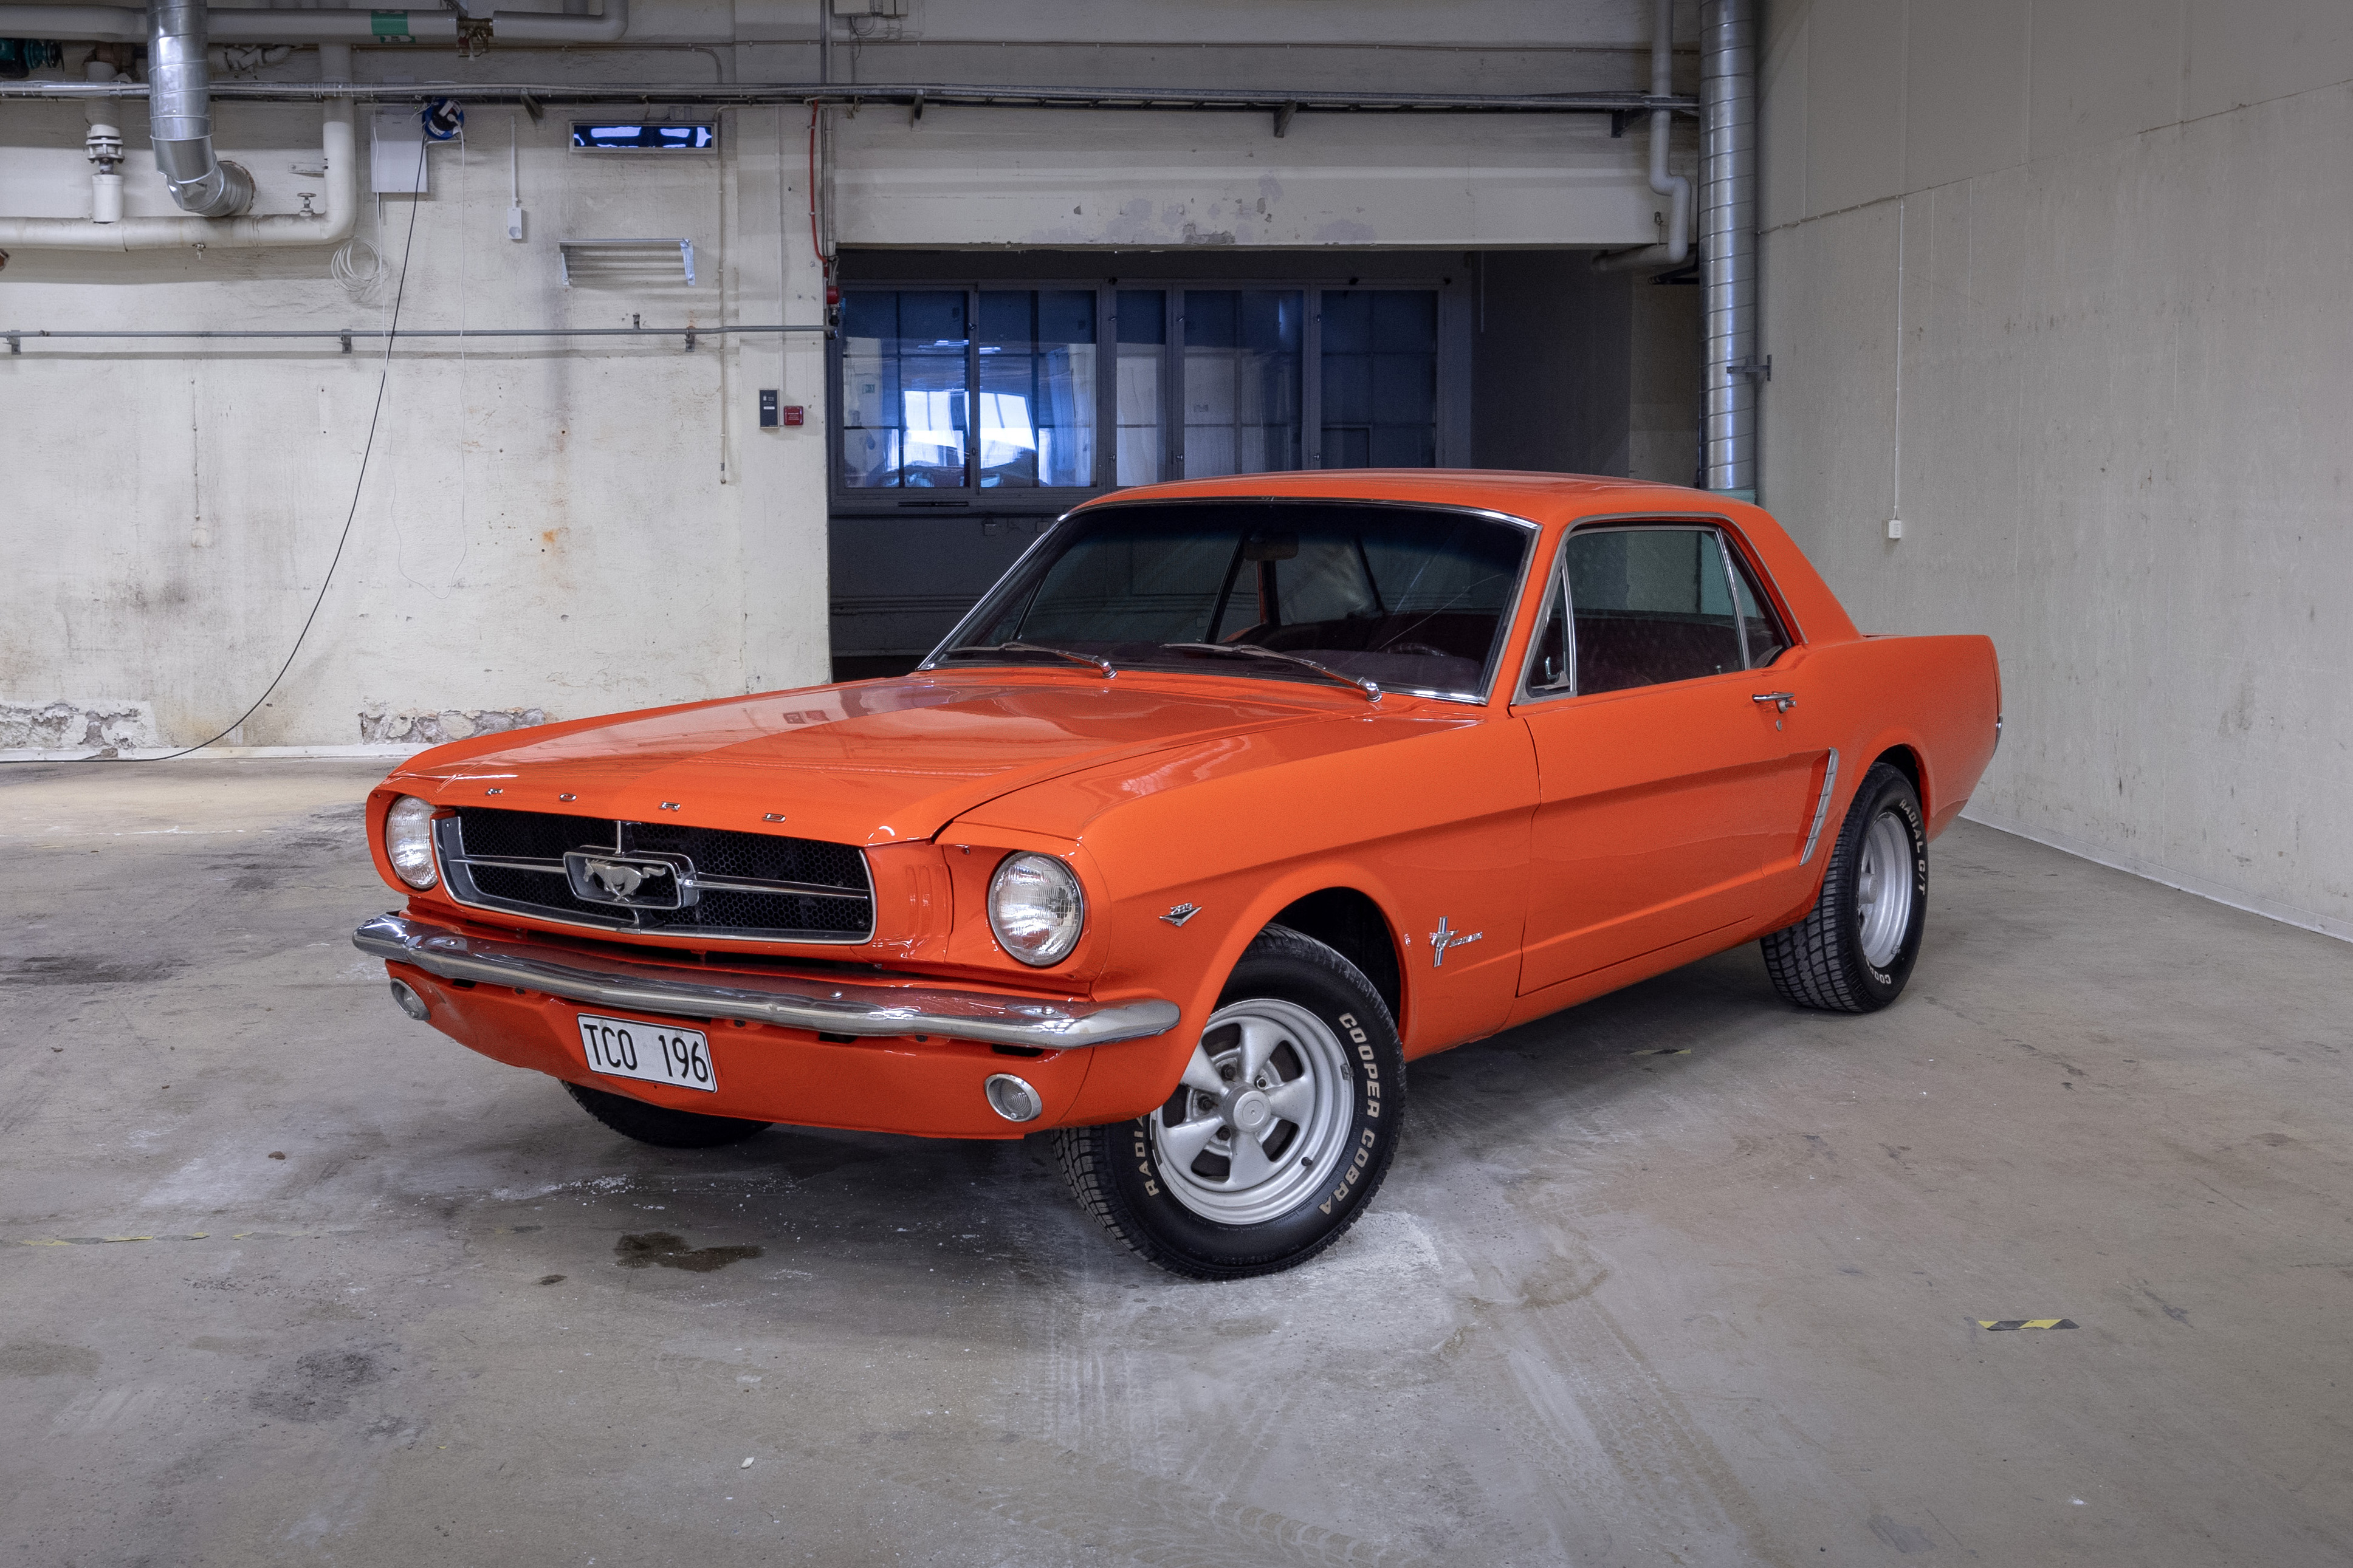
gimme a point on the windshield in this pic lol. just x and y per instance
(1413, 599)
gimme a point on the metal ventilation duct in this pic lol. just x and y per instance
(179, 115)
(1727, 96)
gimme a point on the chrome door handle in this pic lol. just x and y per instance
(1782, 701)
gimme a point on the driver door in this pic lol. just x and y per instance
(1664, 786)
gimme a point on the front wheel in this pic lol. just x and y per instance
(1856, 949)
(1279, 1133)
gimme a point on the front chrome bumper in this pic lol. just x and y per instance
(846, 1008)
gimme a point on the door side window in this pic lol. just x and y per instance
(1650, 605)
(1760, 630)
(1548, 656)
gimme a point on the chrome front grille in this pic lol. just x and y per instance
(704, 881)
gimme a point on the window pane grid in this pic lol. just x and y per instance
(1009, 388)
(903, 396)
(1037, 399)
(1143, 370)
(1241, 380)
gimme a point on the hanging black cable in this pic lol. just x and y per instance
(375, 416)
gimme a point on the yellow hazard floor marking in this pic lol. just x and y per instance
(2001, 1324)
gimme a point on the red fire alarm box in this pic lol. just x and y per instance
(793, 414)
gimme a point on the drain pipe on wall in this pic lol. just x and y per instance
(1731, 371)
(1676, 187)
(184, 130)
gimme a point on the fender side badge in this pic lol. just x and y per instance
(1181, 913)
(1442, 938)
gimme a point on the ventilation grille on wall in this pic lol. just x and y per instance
(642, 261)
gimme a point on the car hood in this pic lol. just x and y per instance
(872, 763)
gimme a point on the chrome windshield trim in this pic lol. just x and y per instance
(1488, 673)
(796, 1002)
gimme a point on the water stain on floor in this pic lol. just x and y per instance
(660, 1248)
(83, 969)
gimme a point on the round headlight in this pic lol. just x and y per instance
(408, 841)
(1036, 908)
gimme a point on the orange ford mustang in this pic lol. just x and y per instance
(1230, 800)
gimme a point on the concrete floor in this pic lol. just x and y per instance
(1612, 1308)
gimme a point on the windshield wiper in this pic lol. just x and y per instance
(1100, 666)
(1371, 688)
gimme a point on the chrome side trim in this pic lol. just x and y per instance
(1821, 807)
(796, 1002)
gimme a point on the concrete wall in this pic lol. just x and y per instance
(563, 527)
(571, 527)
(2064, 283)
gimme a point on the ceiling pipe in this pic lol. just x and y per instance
(180, 115)
(937, 95)
(244, 232)
(250, 24)
(1727, 33)
(1674, 188)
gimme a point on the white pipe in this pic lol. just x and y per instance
(1676, 187)
(247, 233)
(250, 24)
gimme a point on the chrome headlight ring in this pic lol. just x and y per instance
(408, 842)
(1037, 908)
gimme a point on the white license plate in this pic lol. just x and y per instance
(632, 1047)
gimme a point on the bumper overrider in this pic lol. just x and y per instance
(810, 1051)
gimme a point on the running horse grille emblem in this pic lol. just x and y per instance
(621, 881)
(631, 881)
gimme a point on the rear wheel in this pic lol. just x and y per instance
(1856, 949)
(658, 1125)
(1279, 1133)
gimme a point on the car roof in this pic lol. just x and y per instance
(1537, 497)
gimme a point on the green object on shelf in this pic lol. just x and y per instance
(20, 57)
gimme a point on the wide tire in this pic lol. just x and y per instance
(1853, 952)
(1279, 1134)
(662, 1127)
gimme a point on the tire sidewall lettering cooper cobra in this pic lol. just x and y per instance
(1917, 837)
(1824, 961)
(1135, 1196)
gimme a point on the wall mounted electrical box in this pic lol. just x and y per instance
(397, 162)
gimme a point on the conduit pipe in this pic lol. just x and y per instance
(1727, 73)
(937, 95)
(247, 233)
(1676, 187)
(179, 114)
(250, 24)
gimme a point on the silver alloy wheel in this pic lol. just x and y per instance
(1262, 1116)
(1883, 888)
